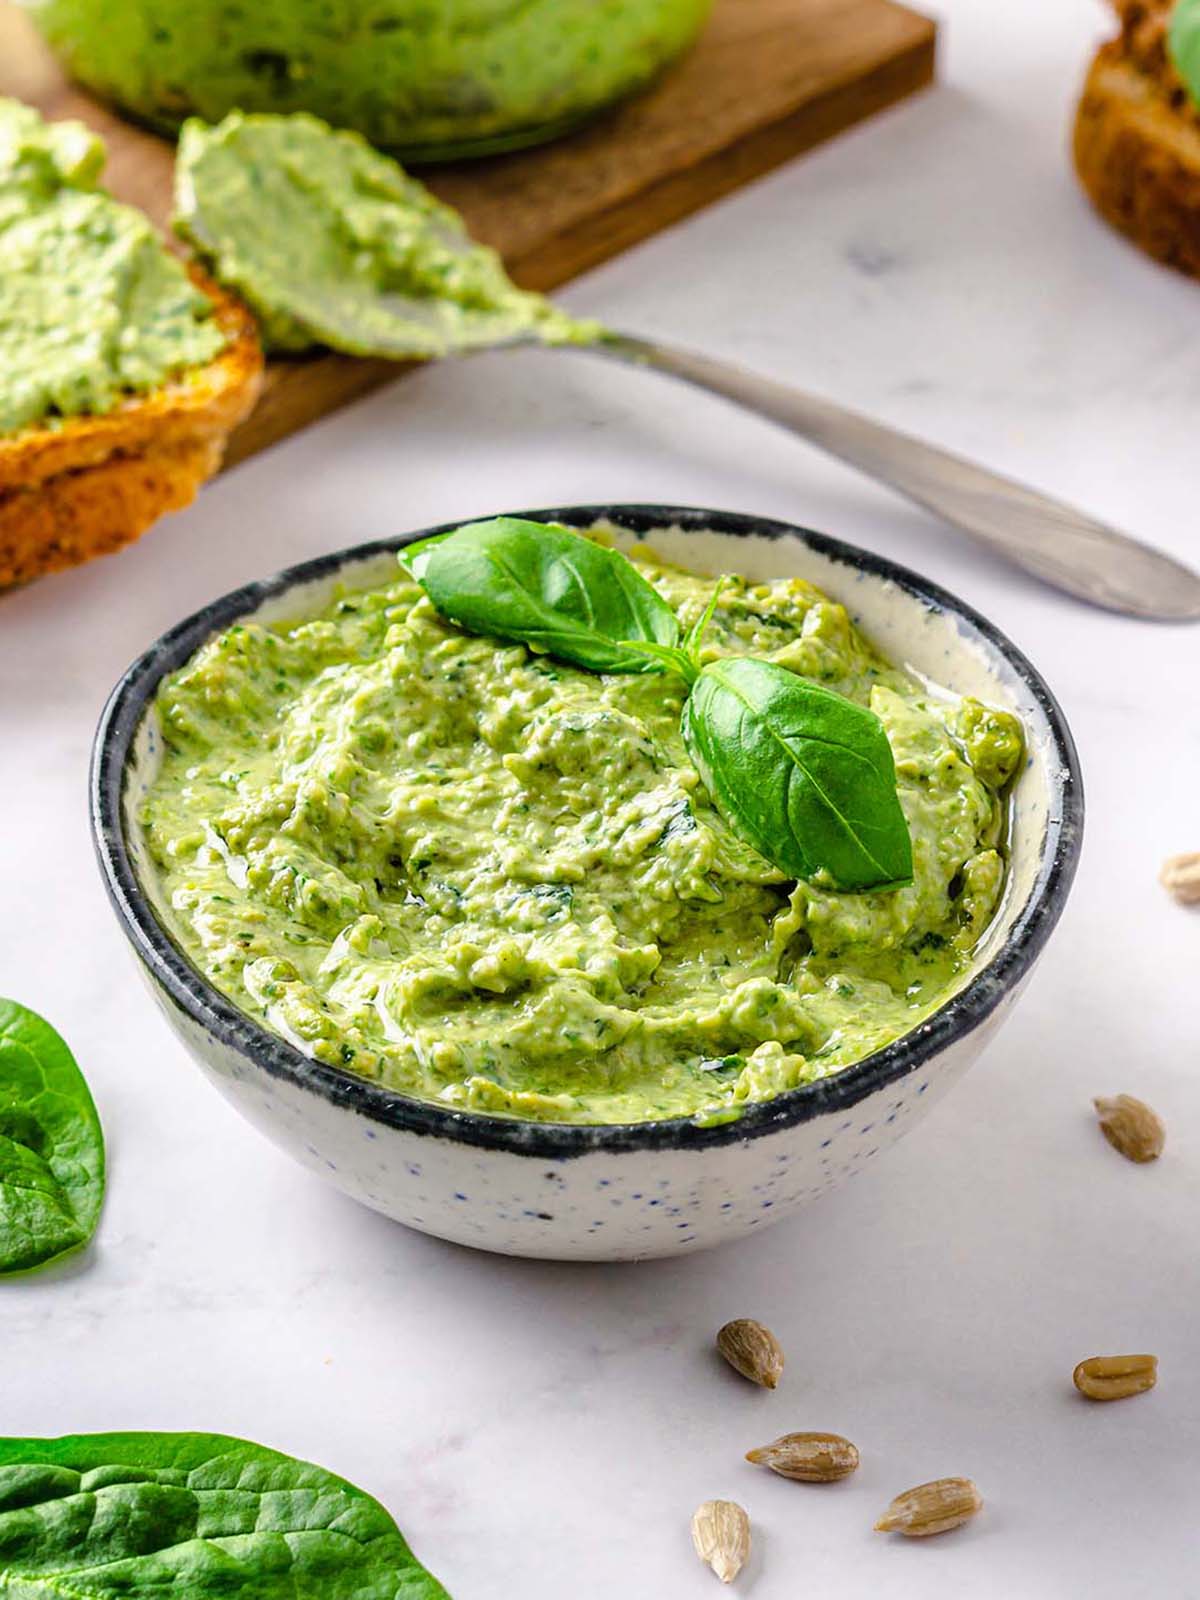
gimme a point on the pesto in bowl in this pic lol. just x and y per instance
(433, 79)
(492, 881)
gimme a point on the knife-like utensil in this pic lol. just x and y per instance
(1055, 542)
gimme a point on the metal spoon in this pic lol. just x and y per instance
(350, 312)
(1053, 541)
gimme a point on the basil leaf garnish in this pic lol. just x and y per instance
(803, 774)
(51, 1146)
(549, 588)
(134, 1515)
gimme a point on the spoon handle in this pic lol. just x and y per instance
(1056, 543)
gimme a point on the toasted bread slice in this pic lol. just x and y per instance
(74, 516)
(1137, 142)
(95, 483)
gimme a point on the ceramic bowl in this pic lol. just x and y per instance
(643, 1189)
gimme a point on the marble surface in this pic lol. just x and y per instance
(540, 1429)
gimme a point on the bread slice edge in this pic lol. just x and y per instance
(1138, 159)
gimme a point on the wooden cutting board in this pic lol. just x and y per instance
(769, 79)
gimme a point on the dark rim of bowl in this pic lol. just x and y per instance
(192, 994)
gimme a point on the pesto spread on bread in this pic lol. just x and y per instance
(1183, 45)
(93, 309)
(488, 879)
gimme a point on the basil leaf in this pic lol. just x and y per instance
(803, 774)
(548, 588)
(695, 634)
(196, 1514)
(51, 1145)
(415, 557)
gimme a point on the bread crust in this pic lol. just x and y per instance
(96, 483)
(1137, 153)
(75, 516)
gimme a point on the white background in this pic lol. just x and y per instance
(545, 1430)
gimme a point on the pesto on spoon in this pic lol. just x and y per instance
(333, 244)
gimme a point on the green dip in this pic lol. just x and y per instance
(428, 76)
(331, 243)
(494, 881)
(92, 307)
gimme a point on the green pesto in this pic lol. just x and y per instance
(1183, 44)
(492, 880)
(331, 243)
(427, 76)
(93, 309)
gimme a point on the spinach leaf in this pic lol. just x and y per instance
(51, 1146)
(803, 774)
(549, 588)
(196, 1514)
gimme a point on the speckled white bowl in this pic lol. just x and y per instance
(643, 1189)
